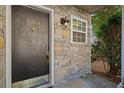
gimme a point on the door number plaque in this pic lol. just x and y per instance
(34, 24)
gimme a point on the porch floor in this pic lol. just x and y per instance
(91, 81)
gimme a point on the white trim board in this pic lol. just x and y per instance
(122, 47)
(83, 20)
(8, 42)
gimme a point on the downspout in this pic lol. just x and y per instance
(121, 84)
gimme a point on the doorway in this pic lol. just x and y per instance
(31, 47)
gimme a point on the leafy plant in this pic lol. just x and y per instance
(107, 28)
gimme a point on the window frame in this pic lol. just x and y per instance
(72, 30)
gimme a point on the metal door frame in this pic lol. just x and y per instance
(9, 45)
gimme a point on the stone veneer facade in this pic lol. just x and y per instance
(2, 45)
(71, 60)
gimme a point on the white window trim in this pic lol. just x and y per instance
(72, 30)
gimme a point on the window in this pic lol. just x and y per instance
(79, 30)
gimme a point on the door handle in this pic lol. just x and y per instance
(47, 56)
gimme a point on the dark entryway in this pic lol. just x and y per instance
(29, 47)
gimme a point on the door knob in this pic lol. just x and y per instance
(47, 56)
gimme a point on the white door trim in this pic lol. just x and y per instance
(8, 42)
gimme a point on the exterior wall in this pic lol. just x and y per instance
(71, 60)
(2, 45)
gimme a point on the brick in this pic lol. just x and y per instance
(2, 40)
(2, 46)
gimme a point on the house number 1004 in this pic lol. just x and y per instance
(34, 23)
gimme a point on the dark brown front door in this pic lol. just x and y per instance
(30, 66)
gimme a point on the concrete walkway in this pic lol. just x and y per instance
(91, 81)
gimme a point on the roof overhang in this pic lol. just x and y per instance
(91, 8)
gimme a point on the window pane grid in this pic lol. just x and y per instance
(78, 37)
(79, 25)
(79, 30)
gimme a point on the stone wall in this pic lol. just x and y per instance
(2, 45)
(71, 60)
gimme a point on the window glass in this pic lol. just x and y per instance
(78, 30)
